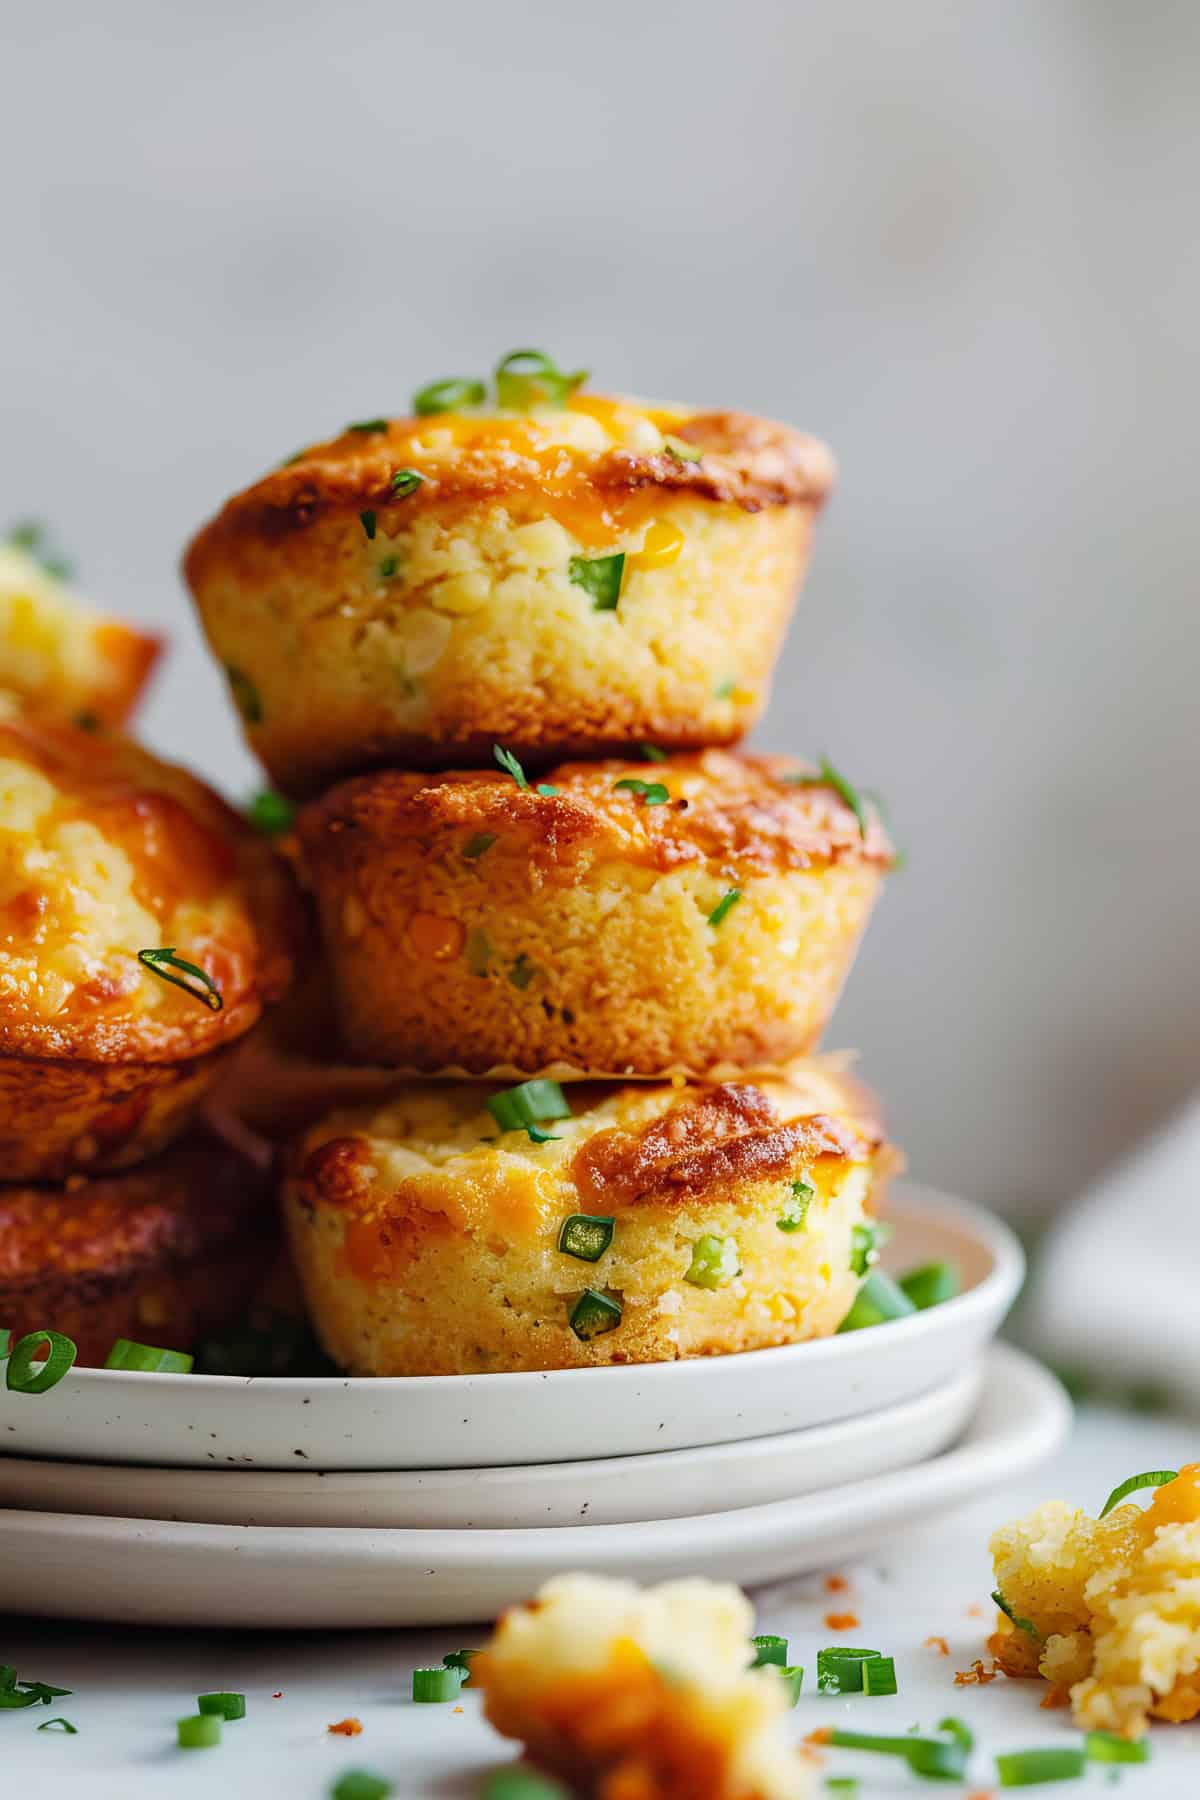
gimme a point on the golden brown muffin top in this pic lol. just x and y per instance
(173, 1209)
(736, 812)
(105, 852)
(597, 463)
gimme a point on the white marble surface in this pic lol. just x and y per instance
(130, 1687)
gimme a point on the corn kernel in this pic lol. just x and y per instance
(660, 547)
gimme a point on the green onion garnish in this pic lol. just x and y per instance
(769, 1649)
(846, 1785)
(508, 762)
(200, 1732)
(792, 1675)
(878, 1300)
(1153, 1478)
(863, 1249)
(652, 753)
(652, 792)
(725, 690)
(522, 972)
(528, 378)
(724, 907)
(33, 536)
(680, 451)
(60, 1724)
(161, 962)
(840, 1667)
(270, 813)
(432, 1687)
(388, 567)
(125, 1354)
(795, 1207)
(599, 576)
(520, 1108)
(519, 1784)
(368, 522)
(360, 1784)
(879, 1675)
(586, 1235)
(461, 1659)
(405, 482)
(6, 1341)
(1021, 1624)
(478, 951)
(448, 395)
(245, 695)
(475, 846)
(845, 790)
(21, 1377)
(961, 1733)
(1030, 1768)
(1111, 1747)
(931, 1284)
(369, 425)
(222, 1706)
(714, 1261)
(938, 1759)
(593, 1314)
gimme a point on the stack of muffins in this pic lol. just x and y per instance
(497, 651)
(143, 929)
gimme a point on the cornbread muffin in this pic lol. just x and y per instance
(1109, 1609)
(59, 656)
(167, 1253)
(642, 1693)
(610, 1224)
(619, 918)
(417, 589)
(143, 928)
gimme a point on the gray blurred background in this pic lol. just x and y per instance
(958, 241)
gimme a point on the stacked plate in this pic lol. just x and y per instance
(336, 1502)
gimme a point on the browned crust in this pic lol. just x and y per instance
(184, 842)
(190, 1233)
(745, 813)
(746, 461)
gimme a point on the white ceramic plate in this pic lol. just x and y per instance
(568, 1415)
(621, 1490)
(149, 1572)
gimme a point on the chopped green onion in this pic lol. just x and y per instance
(652, 753)
(461, 1659)
(1030, 1768)
(360, 1784)
(369, 425)
(475, 846)
(60, 1724)
(846, 792)
(405, 482)
(14, 1698)
(714, 1261)
(519, 1784)
(839, 1668)
(725, 690)
(1153, 1478)
(863, 1249)
(478, 951)
(125, 1354)
(200, 1732)
(270, 813)
(448, 395)
(599, 576)
(935, 1758)
(245, 695)
(962, 1734)
(680, 451)
(522, 972)
(20, 1376)
(652, 792)
(792, 1676)
(388, 567)
(1006, 1609)
(528, 378)
(931, 1284)
(878, 1300)
(160, 962)
(543, 787)
(795, 1207)
(368, 522)
(508, 762)
(593, 1314)
(1111, 1747)
(33, 536)
(879, 1675)
(223, 1706)
(846, 1785)
(432, 1687)
(724, 907)
(586, 1235)
(6, 1341)
(768, 1649)
(520, 1108)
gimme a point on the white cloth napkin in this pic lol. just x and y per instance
(1115, 1290)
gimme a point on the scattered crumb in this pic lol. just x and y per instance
(346, 1728)
(1056, 1696)
(842, 1621)
(836, 1584)
(456, 1709)
(976, 1675)
(937, 1643)
(278, 1694)
(821, 1735)
(975, 1612)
